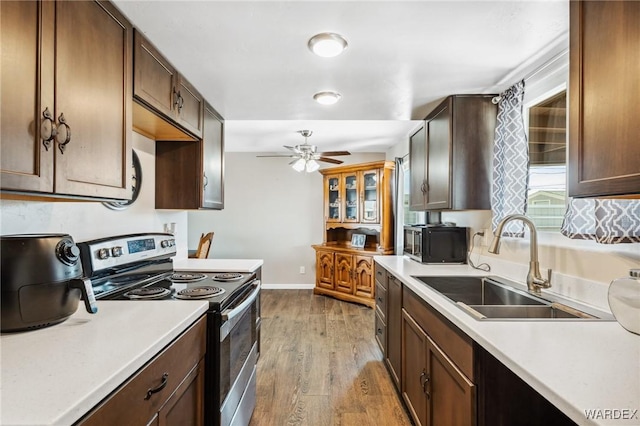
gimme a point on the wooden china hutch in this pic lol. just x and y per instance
(357, 208)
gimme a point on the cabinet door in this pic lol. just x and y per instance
(603, 123)
(438, 185)
(394, 329)
(370, 196)
(213, 160)
(154, 77)
(417, 170)
(324, 269)
(186, 405)
(350, 199)
(450, 395)
(344, 273)
(332, 198)
(26, 37)
(190, 107)
(93, 97)
(414, 369)
(364, 281)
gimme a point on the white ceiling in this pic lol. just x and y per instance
(250, 61)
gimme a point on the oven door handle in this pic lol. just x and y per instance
(229, 314)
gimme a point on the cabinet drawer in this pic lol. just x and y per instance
(457, 345)
(381, 301)
(127, 405)
(381, 276)
(381, 333)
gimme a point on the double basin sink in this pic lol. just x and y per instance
(496, 298)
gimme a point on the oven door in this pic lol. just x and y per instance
(238, 357)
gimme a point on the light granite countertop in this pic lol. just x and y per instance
(54, 375)
(576, 365)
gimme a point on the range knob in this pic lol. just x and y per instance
(103, 253)
(116, 251)
(164, 243)
(67, 252)
(172, 242)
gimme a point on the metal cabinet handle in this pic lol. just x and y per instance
(424, 381)
(165, 380)
(379, 331)
(206, 180)
(178, 101)
(48, 129)
(63, 123)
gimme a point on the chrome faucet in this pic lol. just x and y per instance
(534, 280)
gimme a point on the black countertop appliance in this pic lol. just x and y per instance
(41, 280)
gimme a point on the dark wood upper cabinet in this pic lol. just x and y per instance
(450, 159)
(158, 85)
(417, 169)
(604, 145)
(66, 65)
(190, 174)
(213, 155)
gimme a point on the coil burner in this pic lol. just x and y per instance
(186, 277)
(203, 292)
(227, 277)
(147, 293)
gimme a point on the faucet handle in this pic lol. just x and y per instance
(549, 273)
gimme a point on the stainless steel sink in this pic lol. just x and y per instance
(545, 311)
(479, 291)
(494, 298)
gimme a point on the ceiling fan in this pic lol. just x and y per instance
(306, 156)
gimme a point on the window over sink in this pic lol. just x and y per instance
(547, 135)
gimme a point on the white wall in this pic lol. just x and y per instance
(90, 220)
(271, 212)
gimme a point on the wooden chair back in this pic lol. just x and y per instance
(203, 246)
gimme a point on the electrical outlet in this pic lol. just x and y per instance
(302, 270)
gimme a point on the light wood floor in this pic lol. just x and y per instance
(320, 365)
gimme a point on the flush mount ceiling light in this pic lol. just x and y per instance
(327, 45)
(327, 98)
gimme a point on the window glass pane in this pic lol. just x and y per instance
(548, 157)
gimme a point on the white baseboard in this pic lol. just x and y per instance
(288, 286)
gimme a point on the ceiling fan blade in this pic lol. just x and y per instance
(329, 160)
(281, 155)
(334, 153)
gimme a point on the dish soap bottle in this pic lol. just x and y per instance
(624, 301)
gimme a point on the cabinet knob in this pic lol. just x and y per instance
(67, 130)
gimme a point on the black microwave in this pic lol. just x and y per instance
(436, 243)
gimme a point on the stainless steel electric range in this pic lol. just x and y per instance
(139, 268)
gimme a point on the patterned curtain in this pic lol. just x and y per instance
(510, 162)
(607, 221)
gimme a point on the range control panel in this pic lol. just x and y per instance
(121, 250)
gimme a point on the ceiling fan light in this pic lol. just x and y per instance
(327, 45)
(312, 166)
(327, 98)
(298, 166)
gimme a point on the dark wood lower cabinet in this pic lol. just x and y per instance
(168, 391)
(394, 329)
(414, 369)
